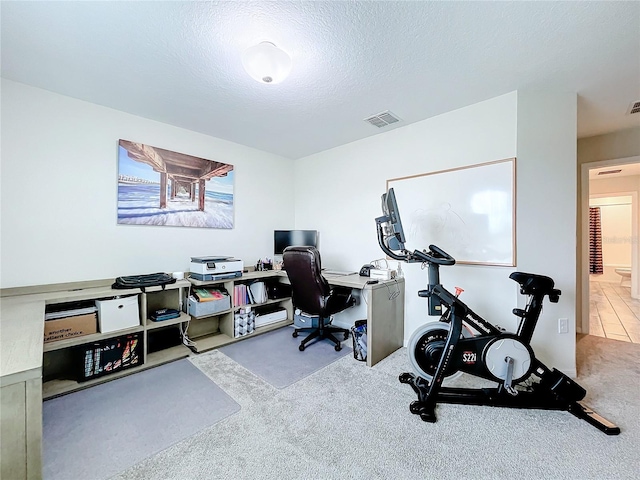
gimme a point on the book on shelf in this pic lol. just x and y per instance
(253, 293)
(240, 295)
(258, 292)
(207, 294)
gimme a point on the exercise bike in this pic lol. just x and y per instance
(463, 342)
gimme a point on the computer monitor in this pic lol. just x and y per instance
(293, 238)
(392, 228)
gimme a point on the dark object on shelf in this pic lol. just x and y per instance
(277, 290)
(69, 309)
(365, 271)
(263, 265)
(143, 281)
(163, 338)
(109, 356)
(359, 337)
(164, 314)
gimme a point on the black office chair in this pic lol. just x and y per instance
(313, 295)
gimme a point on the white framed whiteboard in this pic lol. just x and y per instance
(469, 212)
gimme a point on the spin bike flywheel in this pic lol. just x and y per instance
(502, 347)
(425, 348)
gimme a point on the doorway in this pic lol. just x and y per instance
(610, 299)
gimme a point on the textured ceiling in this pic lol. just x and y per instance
(180, 62)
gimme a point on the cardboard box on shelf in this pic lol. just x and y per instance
(69, 327)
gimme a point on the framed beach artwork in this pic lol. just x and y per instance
(161, 187)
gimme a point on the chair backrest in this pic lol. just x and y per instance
(309, 288)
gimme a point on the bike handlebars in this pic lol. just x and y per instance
(436, 255)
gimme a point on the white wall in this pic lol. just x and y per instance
(59, 194)
(353, 177)
(540, 130)
(546, 213)
(600, 187)
(615, 217)
(616, 235)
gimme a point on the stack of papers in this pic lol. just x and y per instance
(339, 273)
(207, 295)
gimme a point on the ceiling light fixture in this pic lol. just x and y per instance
(266, 63)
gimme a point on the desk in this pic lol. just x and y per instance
(21, 387)
(22, 313)
(385, 313)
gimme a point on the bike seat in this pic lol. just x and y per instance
(531, 283)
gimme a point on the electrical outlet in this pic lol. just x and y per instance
(563, 325)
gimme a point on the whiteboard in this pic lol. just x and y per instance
(469, 212)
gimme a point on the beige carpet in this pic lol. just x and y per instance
(347, 421)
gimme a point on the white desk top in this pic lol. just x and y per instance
(350, 281)
(353, 281)
(356, 281)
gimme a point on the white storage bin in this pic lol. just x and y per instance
(118, 314)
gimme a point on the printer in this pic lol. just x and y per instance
(215, 268)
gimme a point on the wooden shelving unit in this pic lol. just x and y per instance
(61, 357)
(224, 334)
(207, 332)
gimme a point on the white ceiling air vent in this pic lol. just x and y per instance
(382, 119)
(634, 107)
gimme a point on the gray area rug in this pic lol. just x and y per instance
(97, 432)
(274, 356)
(349, 421)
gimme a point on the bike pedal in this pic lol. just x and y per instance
(406, 378)
(415, 407)
(429, 417)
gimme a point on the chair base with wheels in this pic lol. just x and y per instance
(323, 331)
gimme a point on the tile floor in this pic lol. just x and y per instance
(613, 313)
